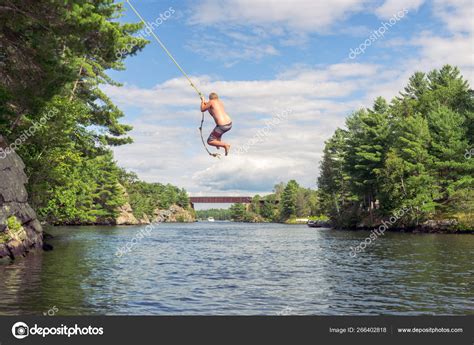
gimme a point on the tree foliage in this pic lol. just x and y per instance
(55, 55)
(216, 213)
(145, 197)
(289, 200)
(410, 153)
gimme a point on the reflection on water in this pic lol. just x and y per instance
(233, 268)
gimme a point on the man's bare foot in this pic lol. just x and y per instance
(227, 149)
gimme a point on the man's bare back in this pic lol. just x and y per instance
(217, 111)
(223, 121)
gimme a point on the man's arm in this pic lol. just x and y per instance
(205, 106)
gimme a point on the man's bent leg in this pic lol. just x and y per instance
(215, 140)
(217, 143)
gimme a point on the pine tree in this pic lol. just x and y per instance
(333, 182)
(63, 48)
(54, 57)
(238, 212)
(267, 210)
(366, 149)
(406, 154)
(183, 199)
(289, 200)
(408, 180)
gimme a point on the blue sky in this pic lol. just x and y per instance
(283, 70)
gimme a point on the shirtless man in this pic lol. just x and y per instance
(223, 121)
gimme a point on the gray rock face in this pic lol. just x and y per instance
(126, 216)
(319, 224)
(174, 214)
(437, 225)
(20, 230)
(145, 220)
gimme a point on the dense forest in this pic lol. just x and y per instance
(216, 213)
(54, 58)
(145, 198)
(410, 154)
(287, 202)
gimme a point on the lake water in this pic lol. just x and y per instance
(240, 269)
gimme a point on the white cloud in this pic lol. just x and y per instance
(167, 146)
(455, 46)
(391, 7)
(253, 96)
(295, 15)
(458, 15)
(232, 46)
(255, 174)
(457, 50)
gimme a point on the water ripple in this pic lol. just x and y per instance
(241, 269)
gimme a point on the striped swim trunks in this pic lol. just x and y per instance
(218, 131)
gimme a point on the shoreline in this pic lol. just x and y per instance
(416, 230)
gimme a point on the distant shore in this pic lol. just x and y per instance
(432, 227)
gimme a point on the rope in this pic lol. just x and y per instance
(165, 49)
(217, 155)
(180, 68)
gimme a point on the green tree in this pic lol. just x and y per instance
(255, 204)
(182, 198)
(408, 179)
(366, 150)
(406, 154)
(289, 200)
(278, 189)
(238, 212)
(55, 55)
(145, 197)
(267, 210)
(218, 214)
(334, 181)
(62, 48)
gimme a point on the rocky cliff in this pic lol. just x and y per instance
(173, 214)
(20, 230)
(126, 216)
(125, 212)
